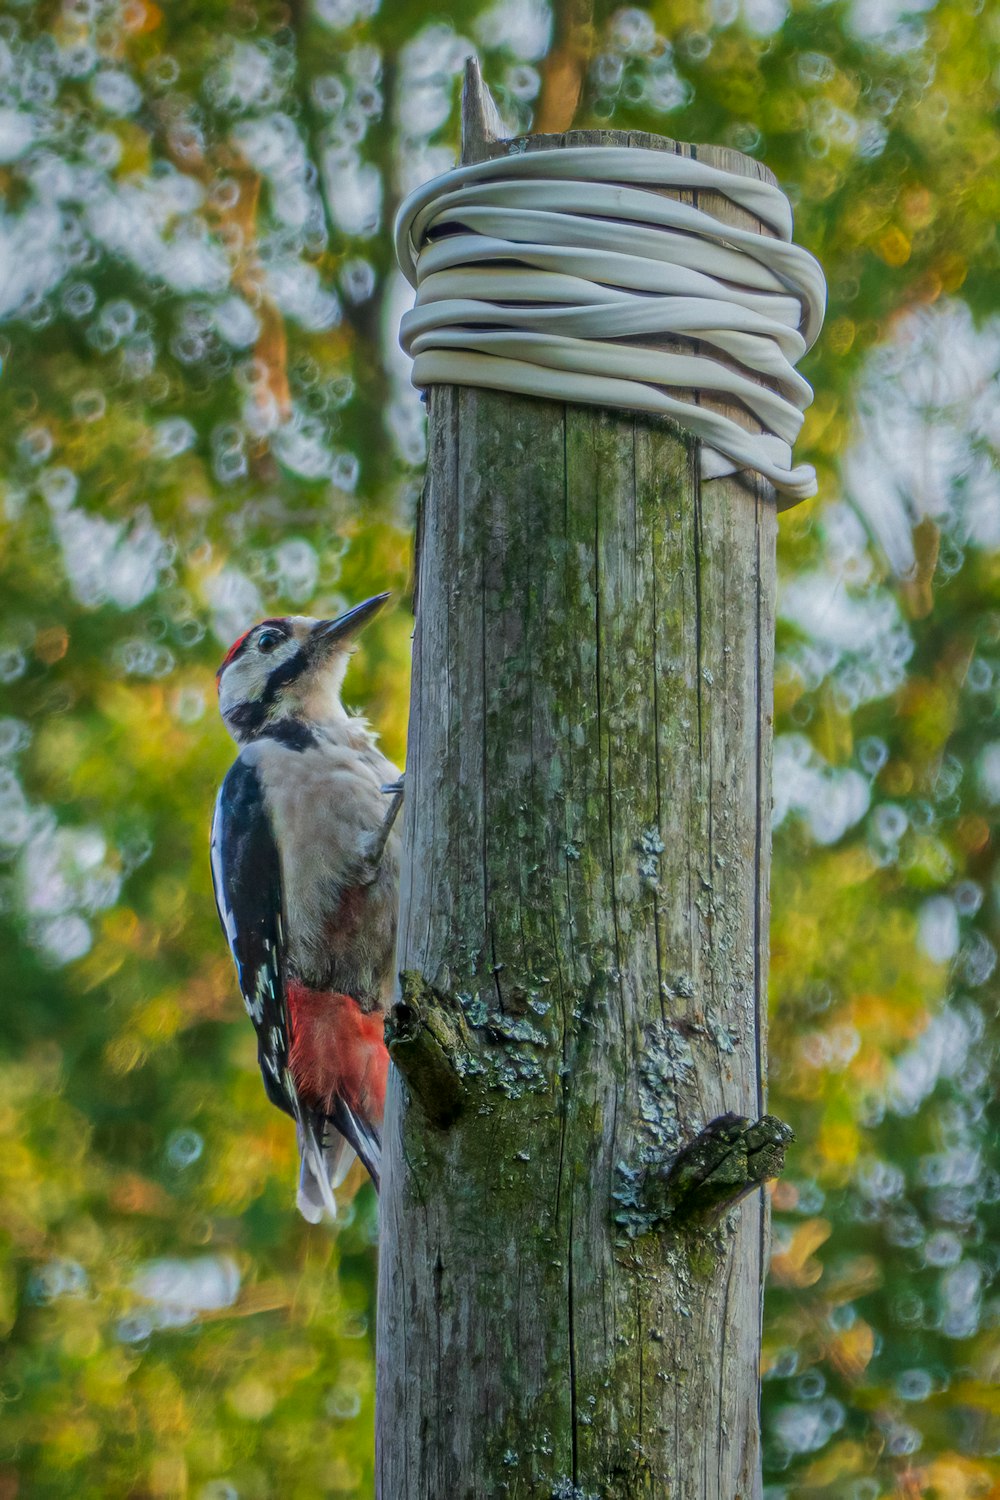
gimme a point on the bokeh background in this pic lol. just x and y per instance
(203, 419)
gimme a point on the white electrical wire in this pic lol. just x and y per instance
(531, 269)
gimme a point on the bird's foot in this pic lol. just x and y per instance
(376, 848)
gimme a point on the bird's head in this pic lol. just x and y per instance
(291, 668)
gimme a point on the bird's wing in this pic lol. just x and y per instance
(246, 874)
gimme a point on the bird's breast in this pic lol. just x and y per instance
(325, 803)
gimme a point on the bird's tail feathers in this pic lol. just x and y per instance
(320, 1163)
(327, 1147)
(340, 1156)
(362, 1135)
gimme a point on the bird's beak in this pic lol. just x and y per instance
(346, 626)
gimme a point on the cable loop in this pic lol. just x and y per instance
(531, 268)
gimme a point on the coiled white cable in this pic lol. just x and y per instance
(532, 269)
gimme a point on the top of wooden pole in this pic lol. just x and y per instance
(482, 127)
(484, 136)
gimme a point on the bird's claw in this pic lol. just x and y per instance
(374, 853)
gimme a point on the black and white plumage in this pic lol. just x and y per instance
(246, 872)
(305, 863)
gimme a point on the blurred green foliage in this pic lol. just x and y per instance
(204, 420)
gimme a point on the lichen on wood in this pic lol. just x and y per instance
(424, 1034)
(731, 1157)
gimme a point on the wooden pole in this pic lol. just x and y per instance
(569, 1304)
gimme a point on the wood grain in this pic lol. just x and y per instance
(587, 827)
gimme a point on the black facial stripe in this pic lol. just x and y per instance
(293, 733)
(250, 718)
(282, 676)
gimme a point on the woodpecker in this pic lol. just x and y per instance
(305, 864)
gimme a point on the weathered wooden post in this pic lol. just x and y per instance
(569, 1305)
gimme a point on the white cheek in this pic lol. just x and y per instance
(243, 682)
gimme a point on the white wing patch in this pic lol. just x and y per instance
(255, 1003)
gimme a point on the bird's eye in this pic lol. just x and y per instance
(268, 639)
